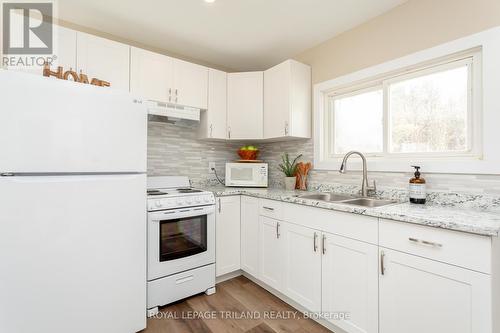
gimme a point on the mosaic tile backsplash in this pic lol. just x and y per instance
(175, 150)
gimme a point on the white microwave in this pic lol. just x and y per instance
(246, 174)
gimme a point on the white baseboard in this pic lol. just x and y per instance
(228, 276)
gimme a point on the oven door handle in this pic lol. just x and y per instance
(181, 213)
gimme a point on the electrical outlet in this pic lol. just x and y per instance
(211, 165)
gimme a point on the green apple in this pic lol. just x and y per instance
(252, 148)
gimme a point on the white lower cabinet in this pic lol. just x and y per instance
(250, 235)
(350, 284)
(422, 295)
(302, 271)
(227, 236)
(271, 252)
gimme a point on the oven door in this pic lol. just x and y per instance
(180, 239)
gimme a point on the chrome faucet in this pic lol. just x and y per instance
(366, 190)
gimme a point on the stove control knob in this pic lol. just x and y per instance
(179, 203)
(197, 200)
(158, 203)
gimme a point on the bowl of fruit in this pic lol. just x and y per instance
(248, 153)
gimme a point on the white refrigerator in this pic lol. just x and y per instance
(72, 207)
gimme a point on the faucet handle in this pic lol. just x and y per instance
(373, 189)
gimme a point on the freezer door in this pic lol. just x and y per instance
(51, 125)
(73, 254)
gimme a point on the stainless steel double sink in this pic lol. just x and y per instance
(348, 200)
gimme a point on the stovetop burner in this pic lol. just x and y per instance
(156, 192)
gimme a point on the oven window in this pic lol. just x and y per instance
(184, 237)
(242, 174)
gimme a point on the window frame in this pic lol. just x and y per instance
(384, 85)
(358, 82)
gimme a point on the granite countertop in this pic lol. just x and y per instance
(475, 221)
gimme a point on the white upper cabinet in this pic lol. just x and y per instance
(213, 121)
(64, 48)
(421, 295)
(164, 79)
(64, 51)
(104, 59)
(190, 86)
(151, 75)
(287, 101)
(245, 101)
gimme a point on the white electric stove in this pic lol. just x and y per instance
(181, 241)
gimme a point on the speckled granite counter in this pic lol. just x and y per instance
(481, 222)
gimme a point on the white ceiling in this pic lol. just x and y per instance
(234, 34)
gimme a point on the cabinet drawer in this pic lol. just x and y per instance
(363, 228)
(452, 247)
(271, 208)
(178, 286)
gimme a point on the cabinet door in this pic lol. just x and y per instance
(350, 283)
(104, 59)
(227, 239)
(271, 252)
(213, 123)
(190, 84)
(302, 278)
(421, 295)
(287, 100)
(277, 82)
(250, 235)
(245, 102)
(64, 52)
(151, 75)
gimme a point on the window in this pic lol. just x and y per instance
(426, 111)
(358, 122)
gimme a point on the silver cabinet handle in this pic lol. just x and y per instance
(324, 245)
(169, 94)
(176, 95)
(268, 208)
(315, 244)
(229, 132)
(286, 127)
(278, 230)
(424, 242)
(382, 262)
(220, 205)
(211, 129)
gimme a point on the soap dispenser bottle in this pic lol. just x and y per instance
(417, 187)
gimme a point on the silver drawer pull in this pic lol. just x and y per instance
(268, 208)
(424, 242)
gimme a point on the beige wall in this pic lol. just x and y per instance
(410, 27)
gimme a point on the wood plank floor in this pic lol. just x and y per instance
(238, 306)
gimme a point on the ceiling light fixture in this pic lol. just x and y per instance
(209, 1)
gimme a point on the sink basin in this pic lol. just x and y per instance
(347, 199)
(369, 202)
(326, 196)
